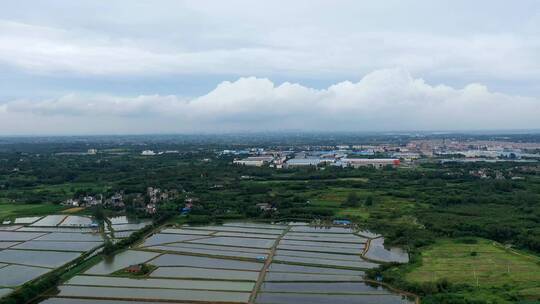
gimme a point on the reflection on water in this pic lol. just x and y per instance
(378, 252)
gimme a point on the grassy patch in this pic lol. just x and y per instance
(74, 210)
(145, 270)
(483, 264)
(17, 210)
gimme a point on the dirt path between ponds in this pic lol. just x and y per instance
(262, 274)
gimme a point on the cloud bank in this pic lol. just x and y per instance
(387, 99)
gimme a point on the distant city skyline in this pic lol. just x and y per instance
(121, 67)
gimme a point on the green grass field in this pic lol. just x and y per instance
(15, 210)
(484, 264)
(335, 197)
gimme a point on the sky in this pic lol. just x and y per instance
(142, 67)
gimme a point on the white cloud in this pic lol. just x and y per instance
(389, 99)
(304, 50)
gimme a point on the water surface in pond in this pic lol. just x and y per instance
(163, 238)
(153, 294)
(326, 262)
(37, 258)
(323, 229)
(5, 291)
(120, 261)
(4, 245)
(309, 269)
(330, 256)
(217, 253)
(235, 241)
(194, 261)
(77, 237)
(327, 287)
(186, 231)
(378, 252)
(218, 248)
(160, 283)
(50, 220)
(18, 236)
(323, 244)
(58, 245)
(313, 277)
(86, 301)
(291, 298)
(74, 220)
(236, 229)
(204, 273)
(356, 251)
(15, 275)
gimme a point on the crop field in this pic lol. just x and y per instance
(234, 263)
(480, 263)
(33, 246)
(8, 210)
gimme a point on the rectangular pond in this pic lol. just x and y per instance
(160, 283)
(15, 275)
(330, 256)
(27, 220)
(217, 253)
(323, 229)
(218, 248)
(186, 231)
(327, 287)
(236, 229)
(124, 227)
(153, 294)
(19, 236)
(77, 221)
(93, 301)
(164, 238)
(73, 237)
(10, 227)
(279, 267)
(59, 229)
(4, 245)
(236, 241)
(326, 262)
(58, 245)
(292, 298)
(310, 277)
(50, 259)
(357, 251)
(204, 273)
(326, 238)
(205, 262)
(247, 235)
(50, 221)
(120, 261)
(256, 225)
(357, 246)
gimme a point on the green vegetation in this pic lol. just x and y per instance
(17, 210)
(482, 264)
(145, 270)
(431, 209)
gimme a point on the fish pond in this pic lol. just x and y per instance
(237, 262)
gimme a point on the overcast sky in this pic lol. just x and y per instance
(118, 67)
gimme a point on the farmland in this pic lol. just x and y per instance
(480, 263)
(9, 210)
(426, 209)
(238, 262)
(33, 247)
